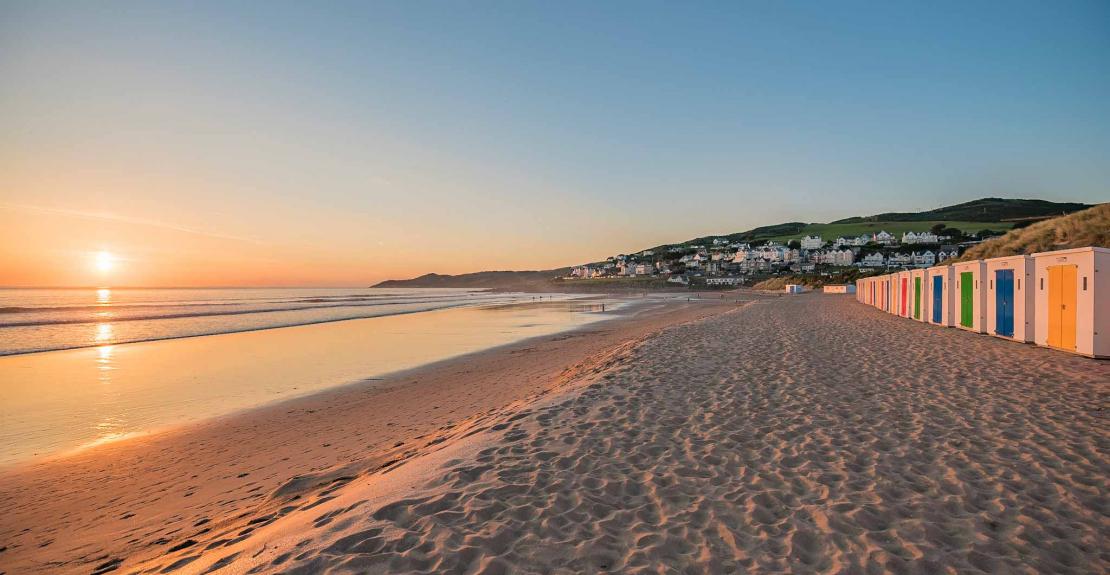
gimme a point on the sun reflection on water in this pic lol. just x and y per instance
(103, 333)
(103, 296)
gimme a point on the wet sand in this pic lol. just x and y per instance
(797, 434)
(139, 498)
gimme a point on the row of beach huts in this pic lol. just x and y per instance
(1058, 299)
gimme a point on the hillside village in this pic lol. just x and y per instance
(719, 262)
(796, 251)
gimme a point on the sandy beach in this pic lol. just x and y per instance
(136, 498)
(790, 434)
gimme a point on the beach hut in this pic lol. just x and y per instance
(917, 294)
(904, 305)
(970, 296)
(1072, 300)
(794, 288)
(839, 288)
(938, 301)
(888, 293)
(895, 294)
(1010, 297)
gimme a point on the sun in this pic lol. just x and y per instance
(105, 261)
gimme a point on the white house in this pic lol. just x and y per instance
(883, 238)
(874, 260)
(920, 238)
(843, 257)
(775, 253)
(832, 257)
(856, 242)
(897, 259)
(812, 243)
(925, 259)
(943, 255)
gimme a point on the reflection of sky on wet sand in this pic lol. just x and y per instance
(62, 400)
(582, 305)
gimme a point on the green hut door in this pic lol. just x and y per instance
(916, 298)
(967, 299)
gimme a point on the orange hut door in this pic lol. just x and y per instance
(1061, 306)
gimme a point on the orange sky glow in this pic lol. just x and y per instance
(223, 145)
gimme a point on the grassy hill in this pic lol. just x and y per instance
(1086, 228)
(995, 214)
(983, 210)
(833, 230)
(505, 280)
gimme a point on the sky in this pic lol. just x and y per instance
(339, 144)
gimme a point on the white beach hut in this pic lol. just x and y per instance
(894, 294)
(888, 295)
(1010, 305)
(892, 285)
(970, 296)
(917, 295)
(904, 299)
(1072, 300)
(938, 299)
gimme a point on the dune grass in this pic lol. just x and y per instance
(1090, 227)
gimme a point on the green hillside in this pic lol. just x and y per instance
(995, 214)
(983, 210)
(832, 231)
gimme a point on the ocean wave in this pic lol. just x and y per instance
(215, 313)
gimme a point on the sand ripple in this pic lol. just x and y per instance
(800, 435)
(805, 435)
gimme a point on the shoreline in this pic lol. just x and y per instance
(87, 345)
(170, 482)
(96, 395)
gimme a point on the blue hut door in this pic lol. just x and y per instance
(1004, 302)
(938, 298)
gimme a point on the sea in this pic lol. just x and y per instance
(36, 320)
(82, 367)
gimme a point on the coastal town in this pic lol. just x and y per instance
(722, 262)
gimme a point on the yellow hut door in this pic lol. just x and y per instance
(1061, 306)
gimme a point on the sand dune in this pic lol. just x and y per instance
(804, 434)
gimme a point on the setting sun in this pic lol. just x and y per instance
(105, 261)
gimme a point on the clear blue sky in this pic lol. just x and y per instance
(552, 132)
